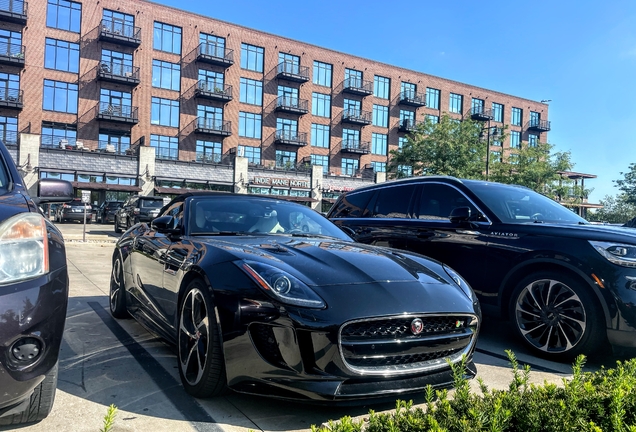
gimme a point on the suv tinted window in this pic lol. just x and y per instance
(4, 177)
(438, 200)
(151, 202)
(393, 202)
(352, 205)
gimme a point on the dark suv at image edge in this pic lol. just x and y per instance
(137, 209)
(33, 296)
(565, 284)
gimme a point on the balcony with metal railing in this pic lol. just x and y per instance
(480, 113)
(213, 126)
(12, 54)
(290, 137)
(292, 72)
(9, 137)
(411, 98)
(118, 73)
(357, 86)
(355, 146)
(215, 54)
(538, 125)
(292, 105)
(120, 33)
(407, 125)
(356, 116)
(117, 113)
(11, 98)
(114, 147)
(13, 11)
(211, 90)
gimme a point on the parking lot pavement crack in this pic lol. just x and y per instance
(191, 410)
(244, 414)
(85, 276)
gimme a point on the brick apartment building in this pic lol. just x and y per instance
(136, 97)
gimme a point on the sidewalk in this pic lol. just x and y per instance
(95, 233)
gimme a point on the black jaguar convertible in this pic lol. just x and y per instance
(268, 297)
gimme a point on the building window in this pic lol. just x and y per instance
(61, 55)
(495, 156)
(381, 115)
(378, 144)
(381, 86)
(251, 92)
(64, 15)
(120, 143)
(115, 102)
(252, 154)
(378, 166)
(167, 38)
(285, 159)
(249, 125)
(119, 23)
(407, 118)
(11, 43)
(212, 45)
(497, 112)
(319, 135)
(408, 90)
(455, 103)
(58, 175)
(535, 118)
(533, 140)
(164, 112)
(322, 74)
(9, 129)
(290, 63)
(477, 106)
(515, 139)
(60, 96)
(352, 106)
(351, 137)
(210, 117)
(517, 116)
(321, 160)
(208, 151)
(321, 105)
(117, 63)
(166, 75)
(432, 98)
(9, 87)
(289, 94)
(252, 57)
(166, 147)
(402, 142)
(405, 170)
(58, 134)
(432, 118)
(288, 127)
(349, 166)
(353, 78)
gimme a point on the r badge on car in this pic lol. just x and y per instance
(417, 326)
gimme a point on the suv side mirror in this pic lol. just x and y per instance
(460, 214)
(164, 225)
(52, 190)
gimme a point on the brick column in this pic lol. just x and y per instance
(240, 174)
(146, 171)
(316, 186)
(29, 160)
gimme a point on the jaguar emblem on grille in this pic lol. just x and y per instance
(417, 326)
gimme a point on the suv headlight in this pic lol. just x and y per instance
(281, 285)
(460, 281)
(617, 253)
(24, 248)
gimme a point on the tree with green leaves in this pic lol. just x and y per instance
(616, 209)
(627, 184)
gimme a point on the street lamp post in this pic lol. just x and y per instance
(494, 134)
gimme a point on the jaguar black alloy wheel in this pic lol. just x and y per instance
(201, 364)
(555, 316)
(117, 294)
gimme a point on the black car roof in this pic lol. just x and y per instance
(426, 179)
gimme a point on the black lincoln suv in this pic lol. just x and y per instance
(566, 285)
(137, 209)
(33, 296)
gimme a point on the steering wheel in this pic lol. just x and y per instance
(537, 216)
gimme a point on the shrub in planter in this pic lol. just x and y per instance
(604, 400)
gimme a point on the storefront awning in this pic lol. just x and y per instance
(105, 186)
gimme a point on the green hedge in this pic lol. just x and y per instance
(604, 400)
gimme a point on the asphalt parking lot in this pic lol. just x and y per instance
(105, 361)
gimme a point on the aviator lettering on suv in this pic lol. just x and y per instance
(566, 285)
(137, 209)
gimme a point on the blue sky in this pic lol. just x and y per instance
(579, 54)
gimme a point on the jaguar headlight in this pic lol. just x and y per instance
(616, 253)
(281, 285)
(460, 281)
(23, 248)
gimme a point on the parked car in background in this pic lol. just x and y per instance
(258, 303)
(106, 211)
(74, 211)
(33, 296)
(566, 285)
(137, 209)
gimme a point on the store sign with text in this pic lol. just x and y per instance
(280, 182)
